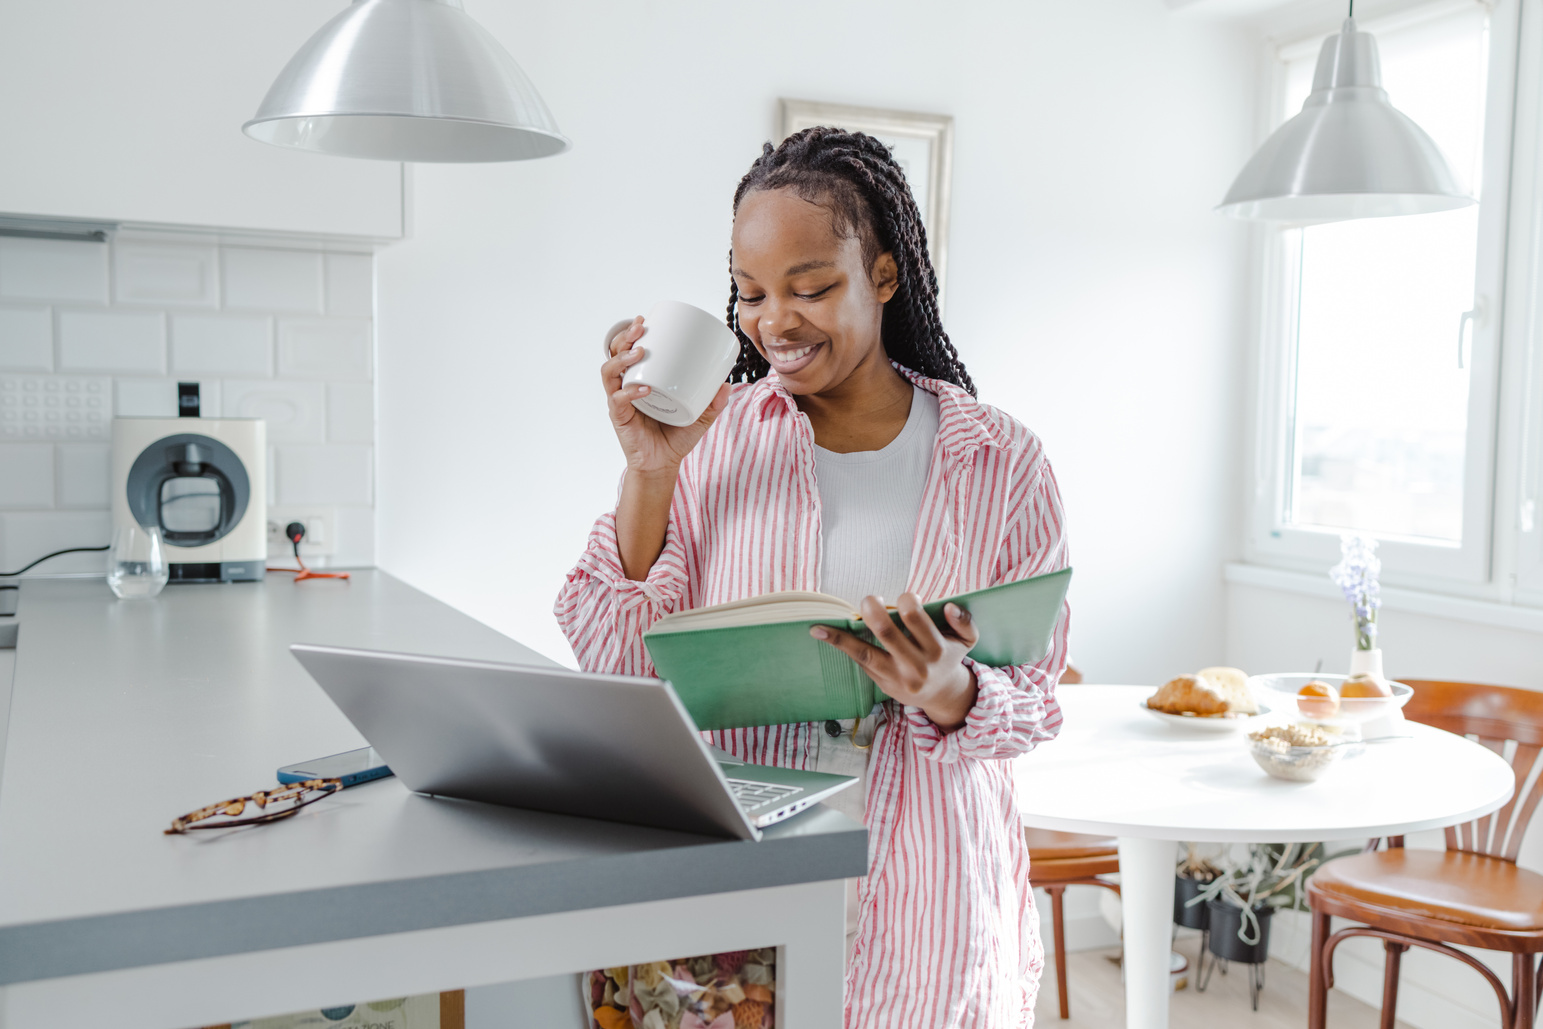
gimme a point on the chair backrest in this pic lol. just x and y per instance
(1496, 715)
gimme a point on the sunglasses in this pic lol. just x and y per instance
(272, 805)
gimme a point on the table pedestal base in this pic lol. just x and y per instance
(1146, 916)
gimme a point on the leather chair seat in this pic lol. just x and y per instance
(1446, 885)
(1050, 845)
(1069, 856)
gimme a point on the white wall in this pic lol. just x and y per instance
(1091, 291)
(1284, 629)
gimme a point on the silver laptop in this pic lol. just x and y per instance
(601, 746)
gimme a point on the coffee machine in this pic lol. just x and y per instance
(203, 483)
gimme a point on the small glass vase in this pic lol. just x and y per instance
(136, 565)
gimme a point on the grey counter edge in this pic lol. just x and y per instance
(140, 938)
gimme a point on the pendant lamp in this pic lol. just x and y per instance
(1348, 154)
(407, 80)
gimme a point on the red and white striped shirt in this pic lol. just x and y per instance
(947, 930)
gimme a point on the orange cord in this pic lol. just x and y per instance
(302, 573)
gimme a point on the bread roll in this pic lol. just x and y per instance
(1188, 694)
(1232, 683)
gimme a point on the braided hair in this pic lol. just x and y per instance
(857, 178)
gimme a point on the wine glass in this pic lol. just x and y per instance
(136, 565)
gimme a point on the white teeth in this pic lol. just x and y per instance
(789, 356)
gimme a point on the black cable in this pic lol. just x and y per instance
(45, 557)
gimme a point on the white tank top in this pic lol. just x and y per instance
(869, 503)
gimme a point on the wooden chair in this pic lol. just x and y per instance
(1061, 859)
(1471, 894)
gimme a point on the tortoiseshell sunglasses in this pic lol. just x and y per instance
(277, 803)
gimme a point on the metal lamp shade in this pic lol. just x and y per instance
(407, 80)
(1348, 154)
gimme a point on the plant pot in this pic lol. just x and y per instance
(1190, 916)
(1225, 922)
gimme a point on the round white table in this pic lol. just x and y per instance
(1116, 771)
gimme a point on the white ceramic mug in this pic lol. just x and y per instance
(687, 354)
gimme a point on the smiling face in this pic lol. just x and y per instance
(807, 299)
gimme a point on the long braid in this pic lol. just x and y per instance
(858, 178)
(751, 365)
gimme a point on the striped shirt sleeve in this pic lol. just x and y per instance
(1015, 709)
(604, 614)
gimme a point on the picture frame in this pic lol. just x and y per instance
(923, 144)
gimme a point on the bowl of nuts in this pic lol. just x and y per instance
(1299, 753)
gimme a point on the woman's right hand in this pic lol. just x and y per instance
(652, 448)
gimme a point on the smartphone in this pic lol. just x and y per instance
(352, 766)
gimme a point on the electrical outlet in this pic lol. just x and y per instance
(320, 533)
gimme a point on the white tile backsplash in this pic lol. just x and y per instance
(81, 474)
(171, 275)
(333, 474)
(350, 285)
(354, 530)
(145, 398)
(53, 269)
(55, 407)
(315, 348)
(294, 411)
(26, 475)
(112, 341)
(93, 331)
(276, 280)
(157, 398)
(26, 339)
(350, 412)
(26, 536)
(222, 344)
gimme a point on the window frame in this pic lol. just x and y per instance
(1269, 539)
(1519, 492)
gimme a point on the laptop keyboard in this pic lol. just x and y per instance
(752, 795)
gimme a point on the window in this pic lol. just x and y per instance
(1381, 335)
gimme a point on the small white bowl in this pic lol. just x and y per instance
(1209, 723)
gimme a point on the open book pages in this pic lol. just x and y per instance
(766, 609)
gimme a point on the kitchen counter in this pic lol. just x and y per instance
(124, 715)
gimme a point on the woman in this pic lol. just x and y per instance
(852, 457)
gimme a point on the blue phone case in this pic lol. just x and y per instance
(300, 771)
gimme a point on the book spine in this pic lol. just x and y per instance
(846, 687)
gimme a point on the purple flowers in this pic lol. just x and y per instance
(1356, 576)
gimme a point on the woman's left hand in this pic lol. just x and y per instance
(925, 669)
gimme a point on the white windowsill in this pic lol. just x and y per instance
(1483, 612)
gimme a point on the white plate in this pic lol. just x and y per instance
(1209, 724)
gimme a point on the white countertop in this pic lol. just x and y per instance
(127, 714)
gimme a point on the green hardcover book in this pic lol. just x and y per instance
(753, 662)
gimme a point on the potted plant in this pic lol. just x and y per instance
(1193, 874)
(1356, 575)
(1241, 900)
